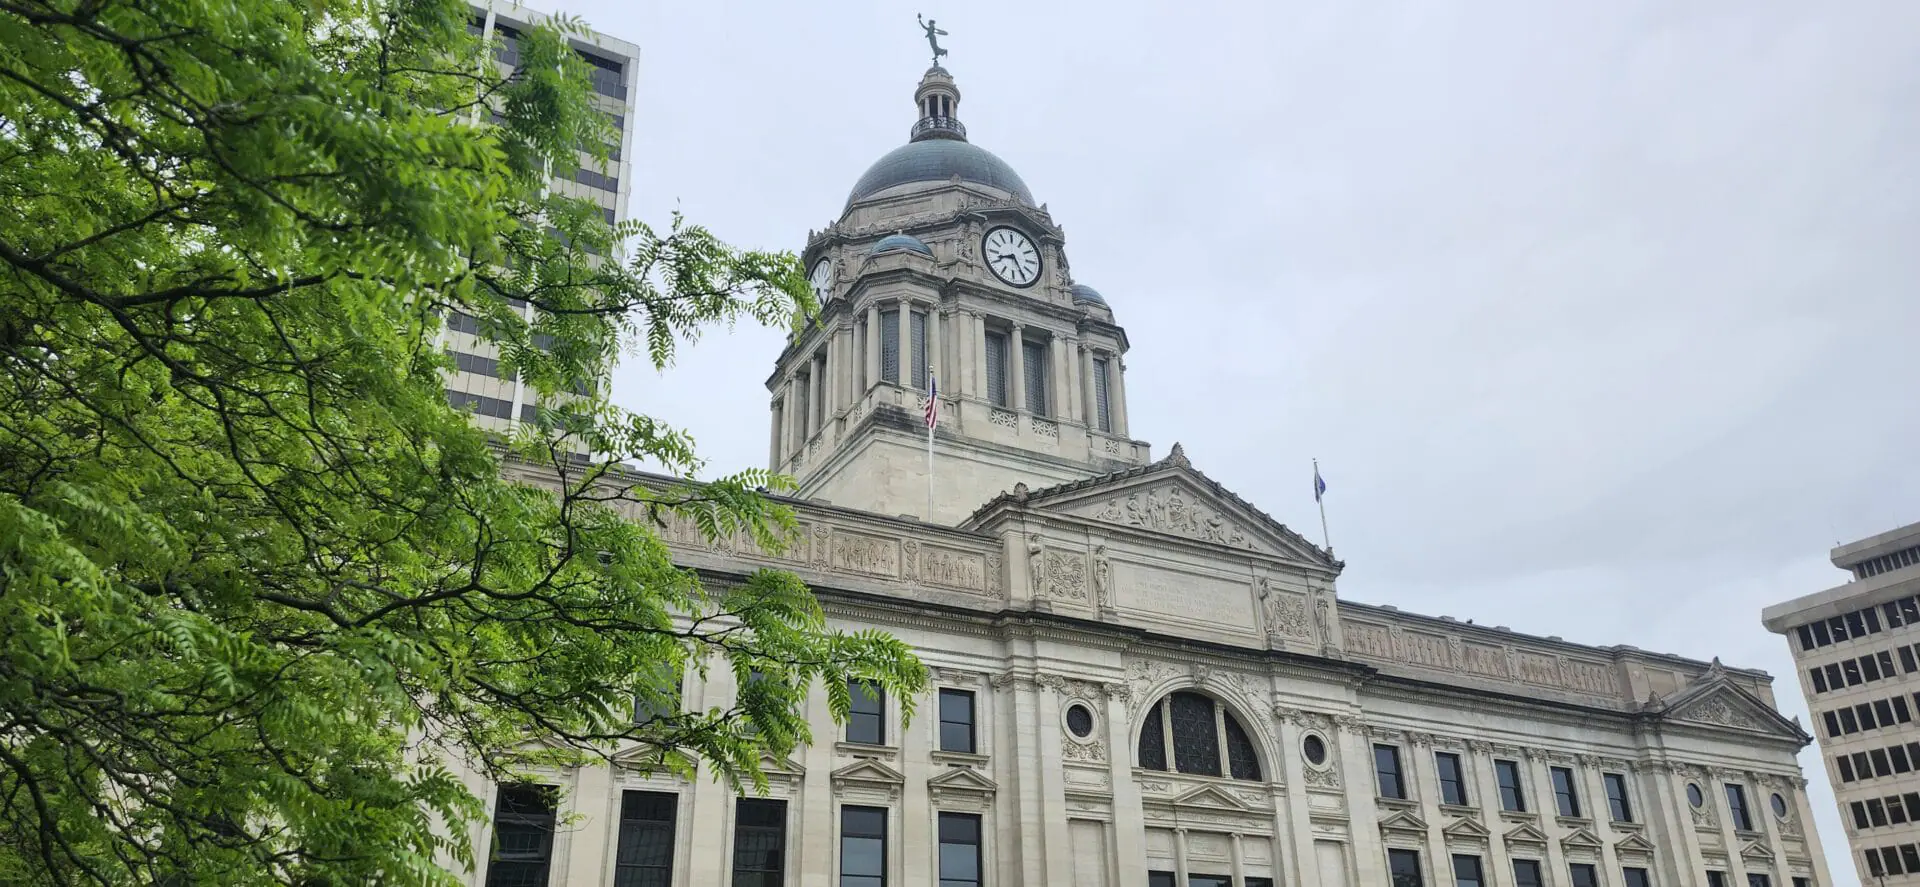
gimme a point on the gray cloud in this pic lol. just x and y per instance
(1599, 315)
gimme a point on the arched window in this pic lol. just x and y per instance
(1205, 738)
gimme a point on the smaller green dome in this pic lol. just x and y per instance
(893, 242)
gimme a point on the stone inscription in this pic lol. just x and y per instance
(1186, 597)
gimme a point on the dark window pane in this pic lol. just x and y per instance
(889, 346)
(645, 853)
(1404, 866)
(1160, 879)
(866, 720)
(1196, 738)
(863, 847)
(1564, 793)
(956, 721)
(917, 328)
(1153, 741)
(759, 842)
(1466, 871)
(1033, 358)
(1635, 877)
(1526, 873)
(1511, 796)
(1583, 875)
(959, 850)
(997, 371)
(1737, 808)
(1102, 416)
(1386, 767)
(523, 826)
(1617, 804)
(1819, 680)
(1453, 785)
(1243, 762)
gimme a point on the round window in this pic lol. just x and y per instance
(1693, 795)
(1080, 720)
(1315, 749)
(1780, 806)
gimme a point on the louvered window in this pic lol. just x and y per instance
(1034, 357)
(1102, 417)
(997, 393)
(919, 332)
(890, 346)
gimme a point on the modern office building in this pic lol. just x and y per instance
(1857, 648)
(498, 399)
(1138, 678)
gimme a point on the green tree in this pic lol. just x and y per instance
(256, 576)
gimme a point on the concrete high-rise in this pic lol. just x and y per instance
(1857, 648)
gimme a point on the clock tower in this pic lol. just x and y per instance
(942, 262)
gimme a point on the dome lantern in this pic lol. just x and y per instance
(939, 103)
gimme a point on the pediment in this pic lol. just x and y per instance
(868, 771)
(1718, 702)
(1166, 498)
(1580, 839)
(1756, 850)
(1466, 828)
(962, 779)
(1212, 798)
(1633, 844)
(1404, 821)
(1525, 833)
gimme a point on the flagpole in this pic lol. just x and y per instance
(1321, 500)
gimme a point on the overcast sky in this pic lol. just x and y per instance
(1600, 316)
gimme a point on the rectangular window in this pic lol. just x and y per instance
(959, 850)
(1466, 871)
(1512, 797)
(1832, 722)
(1835, 680)
(1879, 758)
(867, 720)
(1737, 808)
(1806, 637)
(1716, 879)
(1899, 755)
(1617, 804)
(1907, 662)
(1404, 866)
(1581, 874)
(1635, 877)
(645, 856)
(1846, 768)
(1820, 634)
(482, 405)
(956, 721)
(523, 822)
(1160, 879)
(1033, 356)
(474, 363)
(1819, 680)
(1526, 873)
(863, 847)
(1386, 766)
(918, 329)
(1756, 879)
(997, 392)
(1209, 880)
(1869, 669)
(1102, 417)
(759, 843)
(1848, 723)
(1909, 857)
(1453, 785)
(1859, 811)
(1851, 669)
(889, 346)
(1564, 793)
(659, 696)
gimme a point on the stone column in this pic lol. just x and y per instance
(1016, 370)
(1293, 823)
(776, 420)
(830, 363)
(847, 368)
(817, 394)
(1763, 786)
(1586, 773)
(1089, 398)
(788, 407)
(977, 353)
(934, 352)
(1542, 776)
(873, 349)
(1356, 770)
(1675, 829)
(1117, 396)
(903, 356)
(1129, 846)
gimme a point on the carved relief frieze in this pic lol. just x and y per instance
(996, 584)
(1427, 650)
(1285, 611)
(867, 555)
(1722, 713)
(1368, 639)
(1065, 575)
(951, 568)
(1144, 675)
(1167, 509)
(1090, 752)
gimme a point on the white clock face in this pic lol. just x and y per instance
(822, 280)
(1011, 256)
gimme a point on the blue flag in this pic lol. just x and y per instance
(1319, 484)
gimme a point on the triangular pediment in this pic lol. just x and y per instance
(1525, 833)
(1166, 498)
(1404, 821)
(1716, 701)
(868, 770)
(1633, 844)
(1212, 798)
(1580, 839)
(962, 779)
(1756, 850)
(1466, 828)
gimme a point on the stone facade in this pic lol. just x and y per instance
(1104, 610)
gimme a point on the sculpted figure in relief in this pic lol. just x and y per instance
(1102, 577)
(1035, 567)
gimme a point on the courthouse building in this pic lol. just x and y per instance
(1857, 651)
(1138, 678)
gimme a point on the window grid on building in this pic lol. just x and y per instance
(523, 827)
(889, 346)
(956, 721)
(1102, 415)
(1898, 560)
(1202, 735)
(863, 846)
(867, 717)
(1386, 769)
(1618, 805)
(997, 391)
(1513, 798)
(1865, 716)
(1565, 795)
(759, 842)
(959, 850)
(1453, 781)
(1033, 356)
(645, 854)
(1878, 763)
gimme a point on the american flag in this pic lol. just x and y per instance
(933, 400)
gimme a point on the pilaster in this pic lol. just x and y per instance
(873, 349)
(1016, 369)
(904, 356)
